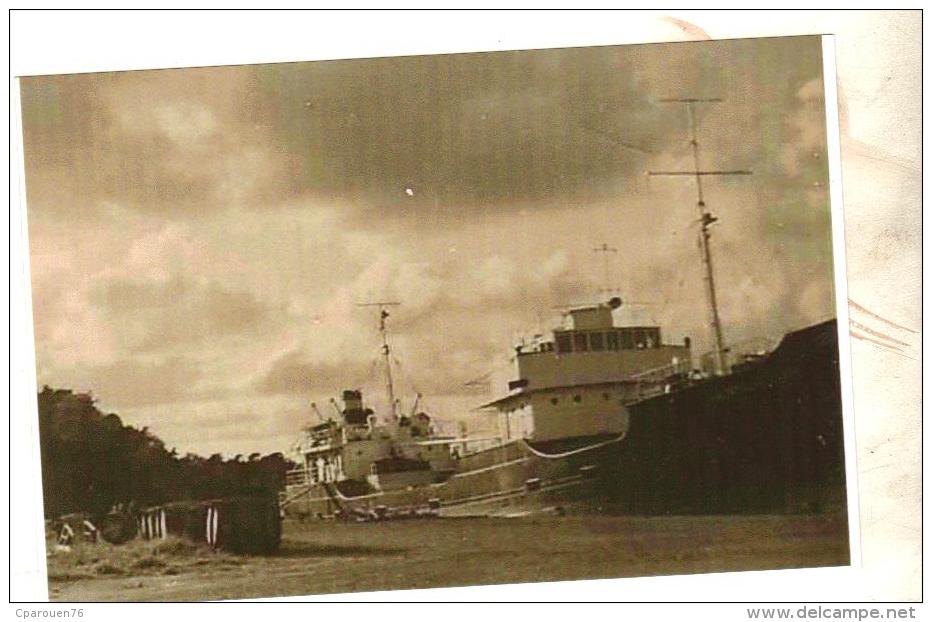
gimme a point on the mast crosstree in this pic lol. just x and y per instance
(705, 220)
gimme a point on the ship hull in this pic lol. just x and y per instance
(511, 479)
(767, 439)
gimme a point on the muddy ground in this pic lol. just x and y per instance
(330, 557)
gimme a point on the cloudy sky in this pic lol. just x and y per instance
(200, 238)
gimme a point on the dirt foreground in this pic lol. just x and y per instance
(330, 557)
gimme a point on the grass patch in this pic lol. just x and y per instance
(106, 568)
(137, 557)
(64, 575)
(147, 563)
(178, 546)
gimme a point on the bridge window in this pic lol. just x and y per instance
(627, 339)
(580, 342)
(647, 337)
(554, 401)
(596, 342)
(577, 398)
(564, 343)
(611, 340)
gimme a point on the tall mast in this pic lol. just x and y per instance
(605, 249)
(386, 350)
(705, 220)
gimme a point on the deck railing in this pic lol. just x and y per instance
(480, 444)
(664, 379)
(296, 477)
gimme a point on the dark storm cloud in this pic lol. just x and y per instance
(479, 131)
(466, 133)
(488, 132)
(165, 142)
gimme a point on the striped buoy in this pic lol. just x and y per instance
(153, 524)
(248, 524)
(213, 522)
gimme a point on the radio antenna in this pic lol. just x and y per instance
(386, 350)
(705, 220)
(605, 249)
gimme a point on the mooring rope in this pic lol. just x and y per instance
(572, 452)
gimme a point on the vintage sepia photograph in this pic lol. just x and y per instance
(429, 321)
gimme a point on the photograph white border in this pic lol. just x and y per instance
(195, 39)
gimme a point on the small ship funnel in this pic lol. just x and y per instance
(352, 400)
(353, 411)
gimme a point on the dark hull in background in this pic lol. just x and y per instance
(767, 439)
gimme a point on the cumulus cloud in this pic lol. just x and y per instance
(141, 382)
(804, 145)
(266, 424)
(154, 315)
(160, 141)
(293, 374)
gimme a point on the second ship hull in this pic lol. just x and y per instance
(512, 478)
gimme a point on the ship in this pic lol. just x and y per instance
(601, 415)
